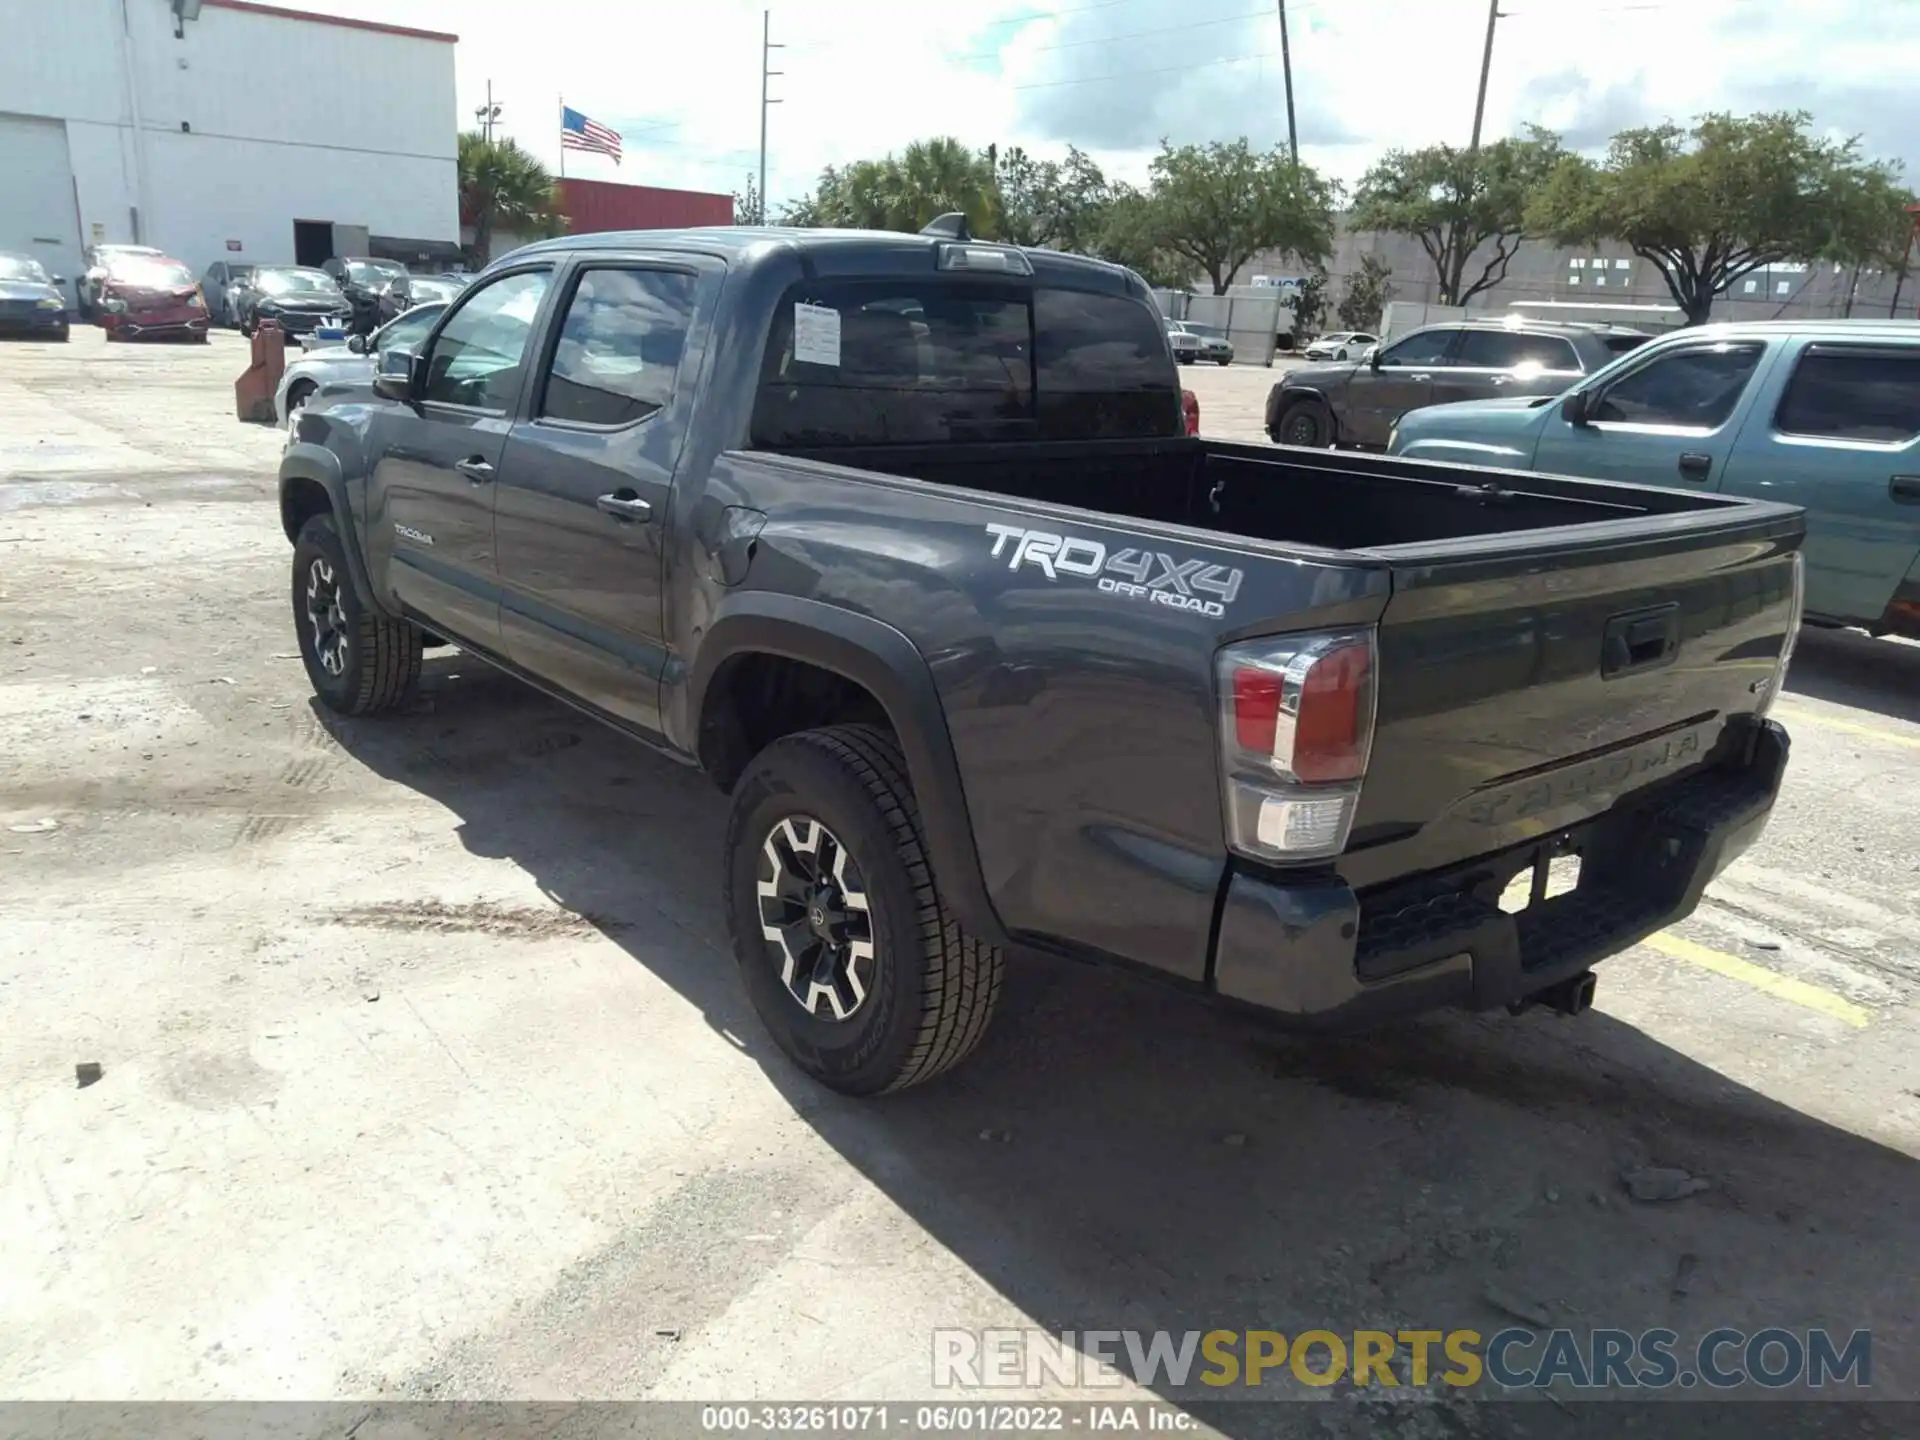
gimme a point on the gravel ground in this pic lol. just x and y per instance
(424, 1069)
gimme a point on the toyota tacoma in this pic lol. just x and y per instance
(903, 541)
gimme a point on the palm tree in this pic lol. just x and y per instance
(941, 175)
(503, 187)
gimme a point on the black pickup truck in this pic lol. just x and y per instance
(902, 540)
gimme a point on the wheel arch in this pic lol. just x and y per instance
(1286, 395)
(311, 484)
(835, 660)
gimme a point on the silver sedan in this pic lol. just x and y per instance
(348, 369)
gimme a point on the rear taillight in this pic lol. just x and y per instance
(1794, 612)
(1296, 727)
(1190, 407)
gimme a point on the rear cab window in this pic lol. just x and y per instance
(939, 360)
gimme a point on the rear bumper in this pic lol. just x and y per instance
(1323, 956)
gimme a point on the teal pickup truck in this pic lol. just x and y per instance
(1823, 414)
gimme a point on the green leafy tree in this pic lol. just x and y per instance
(1708, 204)
(1873, 229)
(1216, 206)
(1129, 234)
(1310, 303)
(930, 178)
(1368, 290)
(1054, 204)
(936, 177)
(748, 207)
(1467, 209)
(502, 187)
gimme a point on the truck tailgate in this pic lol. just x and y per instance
(1527, 682)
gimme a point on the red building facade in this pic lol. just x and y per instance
(595, 205)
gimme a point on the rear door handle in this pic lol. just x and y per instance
(475, 469)
(1905, 489)
(1696, 466)
(1419, 377)
(625, 505)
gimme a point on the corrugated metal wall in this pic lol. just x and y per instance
(595, 205)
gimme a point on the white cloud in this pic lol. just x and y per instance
(862, 77)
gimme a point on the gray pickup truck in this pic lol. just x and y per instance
(901, 539)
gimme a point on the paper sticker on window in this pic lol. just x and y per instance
(816, 335)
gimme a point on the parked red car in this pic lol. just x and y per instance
(142, 295)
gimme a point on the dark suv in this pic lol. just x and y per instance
(1357, 404)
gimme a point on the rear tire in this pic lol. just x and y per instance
(1305, 423)
(1223, 362)
(825, 846)
(358, 662)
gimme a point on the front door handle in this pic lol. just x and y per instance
(1421, 378)
(625, 505)
(1696, 466)
(475, 469)
(1905, 489)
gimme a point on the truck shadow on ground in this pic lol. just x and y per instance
(1850, 667)
(1123, 1156)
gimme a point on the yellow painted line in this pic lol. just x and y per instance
(1850, 727)
(1810, 997)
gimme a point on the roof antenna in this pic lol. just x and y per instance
(951, 226)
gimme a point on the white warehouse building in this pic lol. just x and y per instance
(224, 130)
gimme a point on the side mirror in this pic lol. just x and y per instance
(59, 279)
(1373, 358)
(357, 344)
(1573, 409)
(396, 376)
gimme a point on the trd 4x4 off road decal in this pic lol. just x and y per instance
(1136, 574)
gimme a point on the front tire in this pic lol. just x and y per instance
(359, 662)
(297, 398)
(1306, 423)
(860, 974)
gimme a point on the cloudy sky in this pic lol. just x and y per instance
(682, 80)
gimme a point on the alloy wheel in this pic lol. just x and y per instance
(815, 918)
(325, 617)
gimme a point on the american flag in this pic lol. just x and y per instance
(577, 132)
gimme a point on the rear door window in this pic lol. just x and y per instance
(1852, 393)
(934, 361)
(1506, 350)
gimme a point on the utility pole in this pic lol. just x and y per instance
(1486, 65)
(1286, 70)
(488, 114)
(767, 47)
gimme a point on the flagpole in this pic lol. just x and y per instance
(563, 137)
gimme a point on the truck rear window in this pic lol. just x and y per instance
(935, 360)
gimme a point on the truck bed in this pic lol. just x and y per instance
(1326, 500)
(1547, 648)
